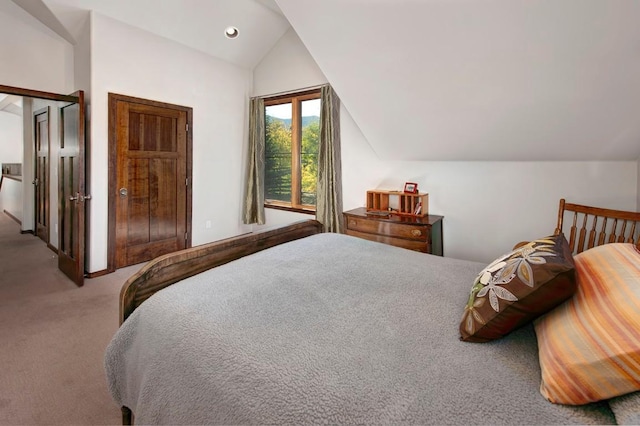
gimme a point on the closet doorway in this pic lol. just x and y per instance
(150, 161)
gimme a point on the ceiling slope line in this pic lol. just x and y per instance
(42, 13)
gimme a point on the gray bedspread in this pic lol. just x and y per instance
(328, 329)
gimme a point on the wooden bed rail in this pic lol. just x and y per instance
(603, 226)
(173, 267)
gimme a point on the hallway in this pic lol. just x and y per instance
(27, 267)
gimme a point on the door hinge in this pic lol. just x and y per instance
(186, 236)
(186, 182)
(186, 127)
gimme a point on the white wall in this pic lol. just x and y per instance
(82, 80)
(133, 62)
(488, 206)
(36, 58)
(33, 56)
(11, 198)
(10, 138)
(288, 66)
(638, 198)
(11, 152)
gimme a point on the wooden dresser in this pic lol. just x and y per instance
(414, 233)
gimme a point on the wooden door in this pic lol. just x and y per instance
(41, 178)
(71, 190)
(152, 171)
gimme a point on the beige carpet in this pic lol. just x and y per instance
(52, 336)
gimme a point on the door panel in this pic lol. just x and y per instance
(151, 173)
(41, 181)
(71, 189)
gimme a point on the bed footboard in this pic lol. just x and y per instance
(173, 267)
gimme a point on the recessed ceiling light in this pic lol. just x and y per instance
(231, 32)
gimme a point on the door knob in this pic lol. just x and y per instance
(123, 192)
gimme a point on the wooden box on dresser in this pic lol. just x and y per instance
(411, 232)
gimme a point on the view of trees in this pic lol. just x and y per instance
(277, 160)
(309, 160)
(278, 169)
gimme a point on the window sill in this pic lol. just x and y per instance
(290, 209)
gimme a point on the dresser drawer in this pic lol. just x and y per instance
(398, 242)
(388, 229)
(422, 233)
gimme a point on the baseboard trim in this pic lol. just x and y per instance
(98, 273)
(13, 217)
(52, 248)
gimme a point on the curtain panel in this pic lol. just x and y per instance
(253, 209)
(329, 186)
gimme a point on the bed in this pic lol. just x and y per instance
(293, 326)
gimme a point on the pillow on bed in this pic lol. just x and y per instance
(518, 287)
(589, 348)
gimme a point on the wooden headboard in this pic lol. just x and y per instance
(602, 225)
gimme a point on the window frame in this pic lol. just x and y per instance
(296, 100)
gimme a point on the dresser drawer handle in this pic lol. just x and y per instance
(416, 232)
(352, 222)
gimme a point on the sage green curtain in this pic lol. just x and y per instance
(329, 187)
(253, 210)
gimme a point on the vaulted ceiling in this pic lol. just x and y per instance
(482, 79)
(199, 24)
(11, 104)
(437, 79)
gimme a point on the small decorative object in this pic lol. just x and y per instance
(411, 188)
(398, 202)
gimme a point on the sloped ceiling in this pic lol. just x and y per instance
(434, 79)
(482, 79)
(199, 24)
(11, 104)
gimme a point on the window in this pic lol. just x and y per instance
(292, 134)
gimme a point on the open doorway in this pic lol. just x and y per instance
(48, 198)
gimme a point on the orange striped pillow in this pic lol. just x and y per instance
(589, 346)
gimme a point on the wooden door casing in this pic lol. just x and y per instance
(41, 181)
(150, 199)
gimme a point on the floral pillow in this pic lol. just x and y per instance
(517, 288)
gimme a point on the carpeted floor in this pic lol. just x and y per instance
(52, 336)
